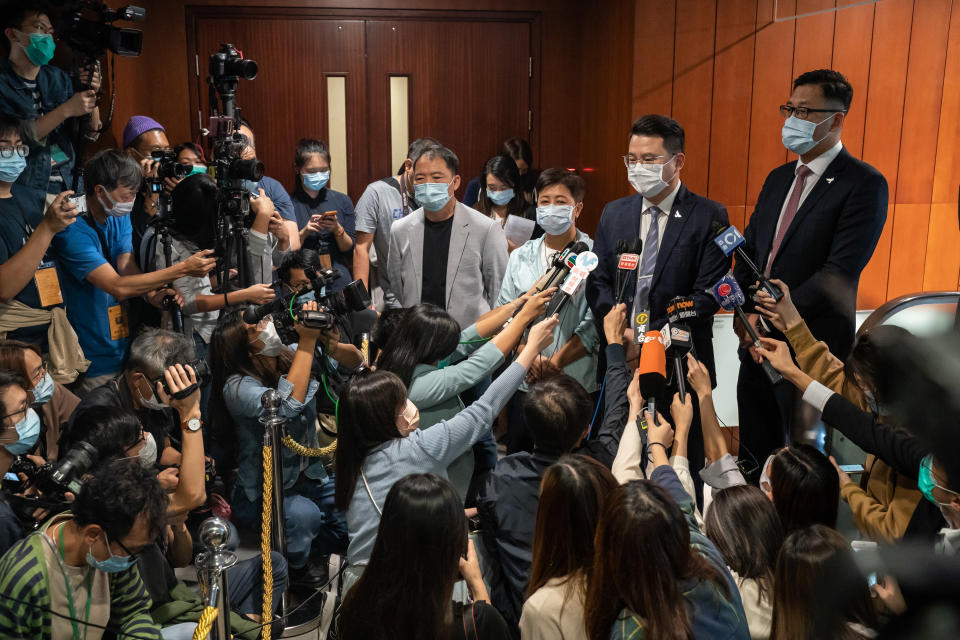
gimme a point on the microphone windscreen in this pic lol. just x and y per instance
(728, 293)
(579, 247)
(252, 315)
(717, 227)
(653, 356)
(621, 246)
(637, 246)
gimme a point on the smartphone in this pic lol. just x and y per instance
(12, 477)
(81, 202)
(852, 469)
(863, 545)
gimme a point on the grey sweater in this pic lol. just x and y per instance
(423, 451)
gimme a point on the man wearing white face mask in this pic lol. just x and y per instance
(815, 227)
(445, 253)
(97, 271)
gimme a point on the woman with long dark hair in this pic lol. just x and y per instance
(379, 441)
(655, 574)
(56, 402)
(437, 362)
(746, 530)
(572, 493)
(421, 551)
(803, 486)
(248, 360)
(807, 560)
(500, 192)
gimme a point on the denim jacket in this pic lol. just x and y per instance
(242, 397)
(16, 101)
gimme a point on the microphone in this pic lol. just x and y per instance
(730, 240)
(653, 370)
(729, 296)
(628, 259)
(677, 338)
(562, 263)
(585, 263)
(254, 314)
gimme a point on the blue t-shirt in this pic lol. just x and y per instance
(78, 252)
(16, 226)
(281, 201)
(324, 242)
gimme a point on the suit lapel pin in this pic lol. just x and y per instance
(830, 180)
(676, 214)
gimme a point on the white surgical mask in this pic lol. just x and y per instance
(797, 134)
(555, 218)
(148, 454)
(764, 475)
(151, 401)
(272, 344)
(114, 208)
(647, 179)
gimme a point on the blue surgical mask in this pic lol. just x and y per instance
(11, 168)
(196, 168)
(113, 564)
(309, 296)
(432, 195)
(500, 197)
(797, 134)
(28, 430)
(555, 218)
(44, 390)
(315, 181)
(41, 48)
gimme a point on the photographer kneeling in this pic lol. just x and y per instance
(248, 360)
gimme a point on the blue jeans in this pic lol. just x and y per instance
(245, 584)
(311, 521)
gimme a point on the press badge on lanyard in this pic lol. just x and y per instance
(48, 285)
(117, 317)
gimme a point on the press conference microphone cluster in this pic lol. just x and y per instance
(677, 339)
(628, 259)
(730, 297)
(730, 241)
(586, 262)
(653, 370)
(559, 269)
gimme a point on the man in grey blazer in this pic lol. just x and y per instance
(445, 253)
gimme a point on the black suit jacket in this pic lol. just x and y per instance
(688, 262)
(826, 246)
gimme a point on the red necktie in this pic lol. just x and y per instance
(788, 215)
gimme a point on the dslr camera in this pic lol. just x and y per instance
(53, 480)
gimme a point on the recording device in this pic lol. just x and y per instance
(204, 375)
(167, 166)
(562, 263)
(53, 480)
(852, 469)
(730, 298)
(232, 173)
(628, 259)
(677, 338)
(87, 27)
(653, 370)
(585, 263)
(730, 240)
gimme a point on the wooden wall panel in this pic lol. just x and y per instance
(693, 85)
(946, 174)
(852, 45)
(942, 267)
(653, 56)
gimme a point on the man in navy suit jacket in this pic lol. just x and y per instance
(687, 262)
(815, 226)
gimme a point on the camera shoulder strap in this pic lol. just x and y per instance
(103, 240)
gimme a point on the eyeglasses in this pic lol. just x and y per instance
(22, 411)
(7, 152)
(38, 376)
(132, 555)
(631, 160)
(787, 110)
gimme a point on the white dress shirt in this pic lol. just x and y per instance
(817, 168)
(666, 205)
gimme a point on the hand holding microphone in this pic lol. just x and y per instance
(782, 313)
(730, 240)
(539, 338)
(730, 297)
(615, 323)
(534, 306)
(652, 370)
(777, 353)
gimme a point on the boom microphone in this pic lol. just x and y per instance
(730, 240)
(729, 296)
(586, 262)
(653, 370)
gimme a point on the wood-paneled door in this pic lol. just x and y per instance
(470, 80)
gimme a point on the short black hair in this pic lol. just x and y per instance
(10, 125)
(663, 127)
(112, 169)
(299, 259)
(518, 149)
(184, 146)
(574, 183)
(306, 146)
(557, 411)
(417, 146)
(16, 13)
(109, 430)
(116, 494)
(442, 152)
(835, 87)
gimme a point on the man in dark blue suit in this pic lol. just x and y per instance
(815, 226)
(679, 257)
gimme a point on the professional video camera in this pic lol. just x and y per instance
(351, 298)
(87, 27)
(233, 173)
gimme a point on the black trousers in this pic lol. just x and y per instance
(766, 414)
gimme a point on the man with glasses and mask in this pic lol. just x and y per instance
(81, 565)
(42, 98)
(678, 257)
(97, 271)
(815, 226)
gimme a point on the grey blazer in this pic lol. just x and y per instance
(475, 263)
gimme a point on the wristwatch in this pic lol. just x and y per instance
(193, 424)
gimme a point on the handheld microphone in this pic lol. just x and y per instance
(628, 259)
(730, 240)
(729, 296)
(677, 342)
(653, 370)
(586, 262)
(254, 314)
(562, 263)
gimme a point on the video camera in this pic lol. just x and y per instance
(87, 27)
(204, 375)
(351, 298)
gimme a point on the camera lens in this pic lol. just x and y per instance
(246, 170)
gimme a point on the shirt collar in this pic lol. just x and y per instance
(819, 164)
(666, 205)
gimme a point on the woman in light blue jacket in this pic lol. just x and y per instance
(559, 203)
